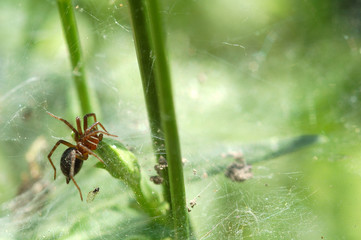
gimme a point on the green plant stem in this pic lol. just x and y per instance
(66, 11)
(169, 124)
(145, 61)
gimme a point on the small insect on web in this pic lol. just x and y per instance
(87, 141)
(92, 194)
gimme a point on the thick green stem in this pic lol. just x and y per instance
(169, 124)
(67, 16)
(146, 62)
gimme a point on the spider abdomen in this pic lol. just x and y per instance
(68, 156)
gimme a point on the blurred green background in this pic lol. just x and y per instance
(244, 72)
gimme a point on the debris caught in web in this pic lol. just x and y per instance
(238, 170)
(92, 194)
(158, 179)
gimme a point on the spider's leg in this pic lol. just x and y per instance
(66, 122)
(81, 196)
(87, 150)
(71, 173)
(78, 125)
(72, 164)
(101, 125)
(82, 156)
(85, 121)
(99, 131)
(55, 147)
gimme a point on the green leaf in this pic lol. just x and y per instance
(123, 165)
(118, 161)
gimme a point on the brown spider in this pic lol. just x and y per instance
(73, 157)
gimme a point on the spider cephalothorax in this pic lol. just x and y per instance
(87, 140)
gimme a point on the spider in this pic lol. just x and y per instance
(86, 141)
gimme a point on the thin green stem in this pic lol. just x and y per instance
(66, 11)
(169, 124)
(146, 62)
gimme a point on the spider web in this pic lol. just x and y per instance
(240, 87)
